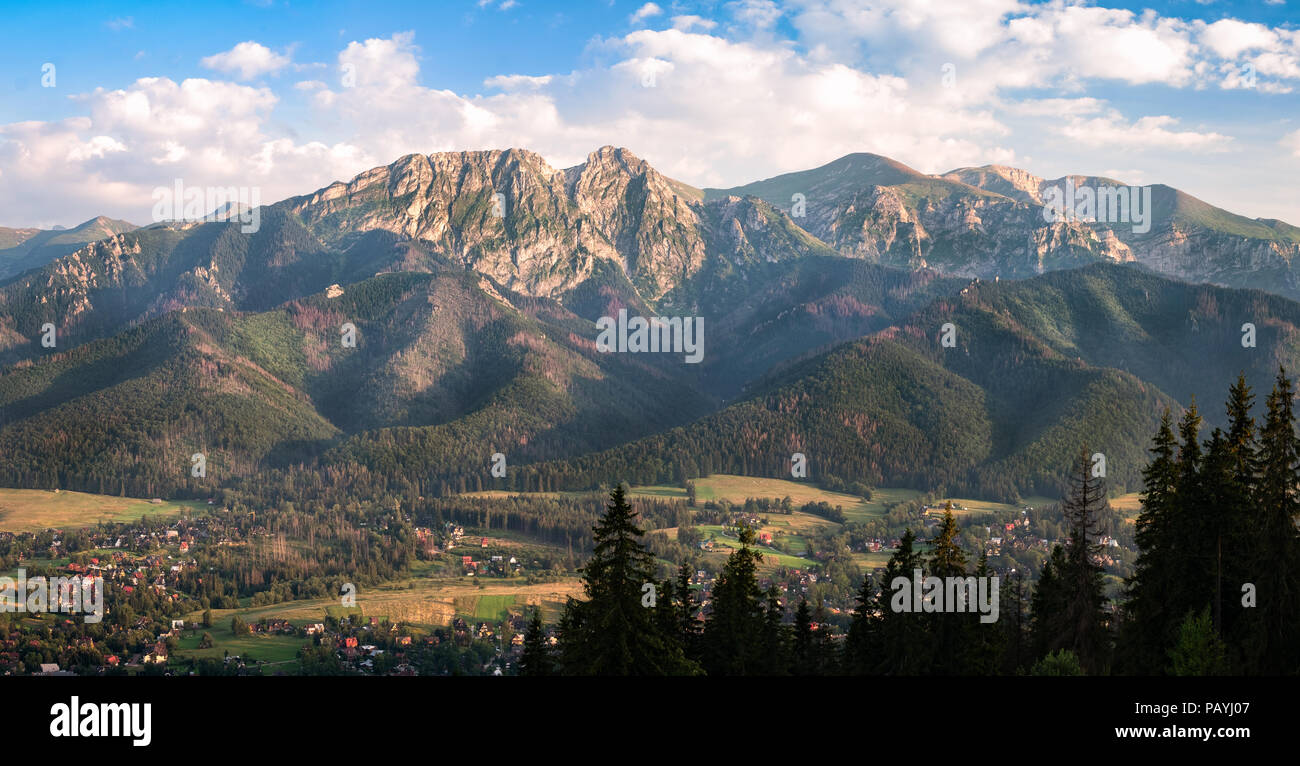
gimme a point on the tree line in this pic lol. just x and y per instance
(1215, 589)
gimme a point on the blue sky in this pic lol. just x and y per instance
(1204, 96)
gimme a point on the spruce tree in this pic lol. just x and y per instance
(536, 659)
(1013, 617)
(951, 630)
(733, 633)
(688, 623)
(1085, 598)
(804, 661)
(825, 653)
(1274, 567)
(610, 632)
(1148, 621)
(982, 654)
(858, 651)
(1190, 501)
(899, 639)
(1049, 629)
(776, 638)
(1234, 536)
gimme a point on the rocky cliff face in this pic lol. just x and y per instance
(613, 225)
(539, 230)
(989, 222)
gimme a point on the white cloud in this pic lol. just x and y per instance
(689, 22)
(247, 60)
(1229, 38)
(1153, 132)
(757, 13)
(1292, 142)
(1056, 107)
(131, 140)
(644, 12)
(721, 108)
(94, 148)
(513, 81)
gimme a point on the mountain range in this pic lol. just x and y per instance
(472, 281)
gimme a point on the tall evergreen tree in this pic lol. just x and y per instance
(983, 652)
(733, 633)
(1013, 617)
(951, 631)
(1086, 597)
(804, 661)
(688, 623)
(858, 650)
(1049, 629)
(611, 633)
(899, 638)
(776, 638)
(1233, 532)
(1271, 641)
(536, 659)
(1070, 603)
(1148, 622)
(825, 653)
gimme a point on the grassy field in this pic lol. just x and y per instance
(485, 607)
(881, 500)
(1129, 505)
(867, 561)
(265, 648)
(972, 506)
(31, 510)
(421, 601)
(724, 544)
(738, 489)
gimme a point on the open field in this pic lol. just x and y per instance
(882, 498)
(868, 561)
(965, 506)
(724, 544)
(421, 601)
(258, 647)
(31, 510)
(1129, 506)
(738, 489)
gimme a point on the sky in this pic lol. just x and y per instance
(103, 103)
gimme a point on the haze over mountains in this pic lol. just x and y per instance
(23, 249)
(474, 279)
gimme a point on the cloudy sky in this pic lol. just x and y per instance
(100, 107)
